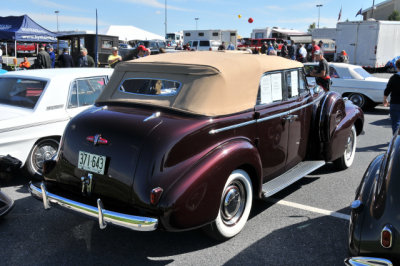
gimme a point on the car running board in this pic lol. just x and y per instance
(291, 176)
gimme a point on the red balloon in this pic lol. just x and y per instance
(250, 20)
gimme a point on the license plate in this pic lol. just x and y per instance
(91, 162)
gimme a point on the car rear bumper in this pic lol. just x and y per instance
(104, 217)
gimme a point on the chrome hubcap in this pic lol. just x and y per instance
(42, 154)
(357, 100)
(233, 202)
(349, 146)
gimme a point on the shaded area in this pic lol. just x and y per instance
(282, 246)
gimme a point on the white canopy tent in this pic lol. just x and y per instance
(127, 33)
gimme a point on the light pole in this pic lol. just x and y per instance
(165, 18)
(319, 8)
(373, 7)
(196, 21)
(57, 17)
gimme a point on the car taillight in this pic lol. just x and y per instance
(155, 195)
(386, 237)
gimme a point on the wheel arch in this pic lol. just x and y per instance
(207, 179)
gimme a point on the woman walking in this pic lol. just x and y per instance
(393, 89)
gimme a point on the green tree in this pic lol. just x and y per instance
(311, 27)
(394, 16)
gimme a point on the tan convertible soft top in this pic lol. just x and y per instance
(213, 83)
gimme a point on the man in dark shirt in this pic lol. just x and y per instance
(393, 89)
(65, 59)
(43, 58)
(321, 73)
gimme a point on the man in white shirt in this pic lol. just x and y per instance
(302, 54)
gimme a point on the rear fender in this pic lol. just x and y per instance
(194, 200)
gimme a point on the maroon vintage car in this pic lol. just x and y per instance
(187, 140)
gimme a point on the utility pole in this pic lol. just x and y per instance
(165, 19)
(57, 17)
(196, 21)
(319, 8)
(373, 7)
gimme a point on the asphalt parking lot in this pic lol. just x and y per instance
(305, 224)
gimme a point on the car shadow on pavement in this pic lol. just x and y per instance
(309, 242)
(14, 178)
(379, 110)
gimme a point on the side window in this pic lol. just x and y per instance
(333, 73)
(270, 89)
(292, 83)
(302, 83)
(195, 44)
(85, 91)
(73, 98)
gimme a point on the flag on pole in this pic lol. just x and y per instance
(359, 12)
(340, 14)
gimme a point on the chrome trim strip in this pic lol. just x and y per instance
(132, 222)
(33, 125)
(214, 131)
(367, 261)
(157, 114)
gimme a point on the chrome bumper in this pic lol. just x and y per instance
(104, 217)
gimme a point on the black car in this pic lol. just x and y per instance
(375, 218)
(153, 45)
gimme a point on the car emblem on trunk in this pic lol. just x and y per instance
(97, 139)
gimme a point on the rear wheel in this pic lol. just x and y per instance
(359, 100)
(235, 206)
(346, 160)
(43, 150)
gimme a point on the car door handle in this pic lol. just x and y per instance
(290, 118)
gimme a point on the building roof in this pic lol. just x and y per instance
(377, 5)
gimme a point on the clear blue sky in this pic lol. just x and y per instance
(213, 14)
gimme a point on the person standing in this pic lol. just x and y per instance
(393, 89)
(271, 49)
(65, 59)
(52, 56)
(264, 48)
(343, 57)
(284, 50)
(43, 58)
(84, 59)
(292, 51)
(114, 58)
(321, 73)
(315, 48)
(222, 47)
(230, 46)
(302, 56)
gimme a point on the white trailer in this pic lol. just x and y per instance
(371, 43)
(227, 36)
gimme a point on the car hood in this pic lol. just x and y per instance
(8, 112)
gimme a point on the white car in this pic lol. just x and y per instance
(353, 82)
(36, 105)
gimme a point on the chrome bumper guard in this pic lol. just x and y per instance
(104, 217)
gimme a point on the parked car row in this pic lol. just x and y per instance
(353, 82)
(188, 140)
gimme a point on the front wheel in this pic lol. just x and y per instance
(346, 160)
(235, 206)
(43, 150)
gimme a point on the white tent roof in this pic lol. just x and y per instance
(127, 33)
